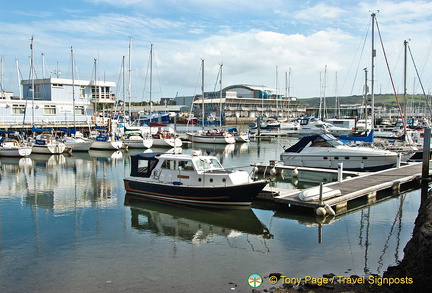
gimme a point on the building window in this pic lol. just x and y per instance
(82, 92)
(79, 110)
(18, 109)
(50, 110)
(38, 92)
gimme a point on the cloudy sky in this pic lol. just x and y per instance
(324, 44)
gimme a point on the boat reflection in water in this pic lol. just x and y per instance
(191, 223)
(106, 154)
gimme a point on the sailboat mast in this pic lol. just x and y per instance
(365, 98)
(32, 78)
(405, 112)
(220, 97)
(130, 77)
(73, 90)
(287, 89)
(372, 73)
(151, 77)
(18, 78)
(1, 75)
(202, 90)
(124, 84)
(277, 93)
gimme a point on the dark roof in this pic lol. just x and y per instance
(302, 143)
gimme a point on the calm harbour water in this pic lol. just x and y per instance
(65, 227)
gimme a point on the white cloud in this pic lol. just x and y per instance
(319, 12)
(250, 49)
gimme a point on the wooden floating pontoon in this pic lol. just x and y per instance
(366, 185)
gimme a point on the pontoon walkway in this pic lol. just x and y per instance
(362, 186)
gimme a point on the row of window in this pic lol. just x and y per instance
(18, 109)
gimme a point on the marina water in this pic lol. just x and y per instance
(66, 225)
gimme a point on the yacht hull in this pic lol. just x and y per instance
(236, 195)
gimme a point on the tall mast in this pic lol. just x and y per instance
(32, 78)
(18, 79)
(1, 75)
(372, 73)
(277, 92)
(287, 89)
(337, 107)
(124, 84)
(220, 97)
(151, 76)
(202, 90)
(405, 113)
(43, 65)
(324, 94)
(73, 90)
(130, 76)
(365, 99)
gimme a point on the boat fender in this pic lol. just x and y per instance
(320, 211)
(273, 171)
(295, 173)
(329, 210)
(255, 170)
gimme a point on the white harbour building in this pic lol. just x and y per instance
(53, 101)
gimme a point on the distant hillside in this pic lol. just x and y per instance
(380, 100)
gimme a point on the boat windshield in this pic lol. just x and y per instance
(325, 140)
(204, 164)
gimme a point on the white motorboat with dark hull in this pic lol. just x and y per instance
(190, 179)
(326, 151)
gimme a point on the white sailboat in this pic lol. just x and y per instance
(211, 135)
(44, 143)
(10, 147)
(76, 144)
(137, 137)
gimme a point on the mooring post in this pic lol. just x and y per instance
(426, 158)
(321, 194)
(398, 161)
(340, 171)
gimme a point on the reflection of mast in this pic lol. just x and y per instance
(397, 217)
(365, 217)
(399, 229)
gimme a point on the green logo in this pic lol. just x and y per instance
(255, 280)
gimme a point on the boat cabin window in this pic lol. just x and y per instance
(142, 167)
(168, 164)
(185, 165)
(208, 164)
(320, 143)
